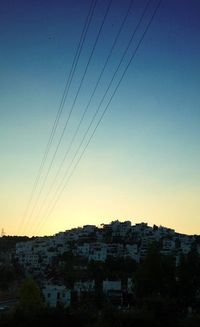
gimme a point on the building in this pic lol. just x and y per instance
(56, 295)
(113, 291)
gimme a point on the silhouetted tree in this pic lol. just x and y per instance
(149, 276)
(30, 296)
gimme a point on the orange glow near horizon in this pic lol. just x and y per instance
(142, 163)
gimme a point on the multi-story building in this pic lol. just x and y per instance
(56, 295)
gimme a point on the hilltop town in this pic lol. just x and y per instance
(77, 263)
(114, 240)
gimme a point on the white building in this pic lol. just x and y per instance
(111, 285)
(98, 252)
(186, 244)
(168, 246)
(89, 229)
(73, 234)
(140, 228)
(163, 232)
(115, 250)
(56, 295)
(84, 286)
(83, 249)
(131, 251)
(120, 229)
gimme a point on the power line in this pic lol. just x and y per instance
(73, 105)
(61, 189)
(110, 83)
(61, 106)
(89, 102)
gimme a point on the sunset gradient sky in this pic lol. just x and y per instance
(143, 163)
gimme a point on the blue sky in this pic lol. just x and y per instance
(143, 163)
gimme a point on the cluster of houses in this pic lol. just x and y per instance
(114, 240)
(59, 295)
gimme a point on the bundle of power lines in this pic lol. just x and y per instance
(39, 204)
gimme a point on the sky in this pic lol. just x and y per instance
(142, 163)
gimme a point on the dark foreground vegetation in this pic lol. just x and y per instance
(164, 294)
(155, 313)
